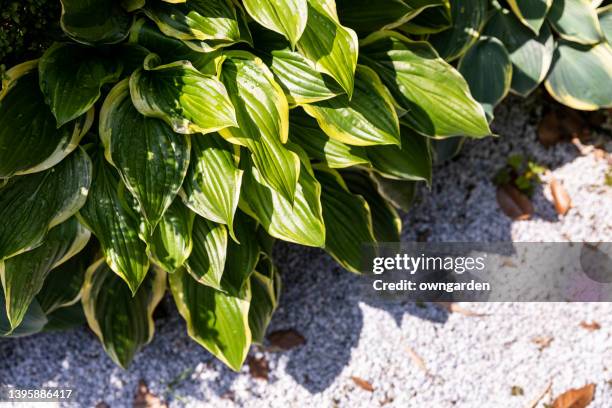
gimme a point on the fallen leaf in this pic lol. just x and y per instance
(363, 384)
(145, 399)
(416, 359)
(286, 339)
(542, 341)
(455, 308)
(561, 198)
(513, 203)
(573, 124)
(549, 132)
(258, 367)
(592, 326)
(576, 397)
(516, 391)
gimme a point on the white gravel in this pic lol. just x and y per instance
(466, 361)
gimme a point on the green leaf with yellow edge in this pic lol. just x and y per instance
(216, 320)
(330, 46)
(170, 244)
(33, 322)
(262, 114)
(114, 224)
(531, 55)
(605, 21)
(411, 161)
(183, 97)
(348, 221)
(367, 119)
(95, 21)
(581, 76)
(431, 20)
(151, 159)
(576, 21)
(196, 19)
(532, 13)
(400, 193)
(122, 320)
(71, 77)
(436, 97)
(306, 133)
(30, 205)
(209, 253)
(386, 223)
(487, 68)
(468, 17)
(212, 186)
(265, 293)
(242, 256)
(30, 140)
(300, 221)
(23, 275)
(286, 17)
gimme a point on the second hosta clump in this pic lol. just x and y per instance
(169, 144)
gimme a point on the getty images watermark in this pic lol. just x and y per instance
(507, 271)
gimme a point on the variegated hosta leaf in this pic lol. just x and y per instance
(30, 140)
(132, 5)
(468, 17)
(435, 95)
(531, 55)
(364, 17)
(581, 76)
(488, 71)
(605, 21)
(216, 320)
(386, 223)
(368, 118)
(212, 185)
(532, 13)
(114, 224)
(23, 275)
(196, 19)
(331, 47)
(348, 221)
(411, 161)
(265, 294)
(208, 257)
(263, 120)
(169, 49)
(71, 76)
(30, 205)
(306, 133)
(286, 17)
(33, 322)
(63, 284)
(429, 21)
(171, 242)
(445, 149)
(122, 320)
(183, 97)
(400, 193)
(300, 81)
(65, 318)
(299, 221)
(152, 160)
(242, 256)
(575, 20)
(95, 21)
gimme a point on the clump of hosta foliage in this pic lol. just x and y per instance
(169, 144)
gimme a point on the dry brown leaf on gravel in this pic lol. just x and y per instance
(591, 326)
(513, 203)
(363, 384)
(145, 399)
(455, 308)
(561, 198)
(258, 367)
(549, 132)
(286, 339)
(576, 397)
(542, 341)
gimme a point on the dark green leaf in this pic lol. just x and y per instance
(171, 242)
(95, 21)
(208, 257)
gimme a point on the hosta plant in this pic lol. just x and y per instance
(165, 145)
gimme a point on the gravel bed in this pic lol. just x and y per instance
(414, 355)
